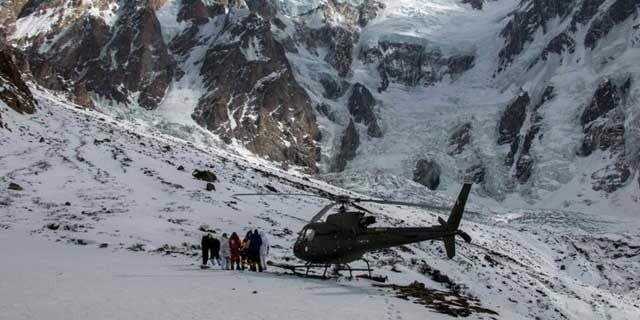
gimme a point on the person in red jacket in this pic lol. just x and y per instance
(234, 246)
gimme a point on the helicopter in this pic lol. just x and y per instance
(346, 235)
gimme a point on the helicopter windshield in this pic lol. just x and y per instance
(307, 234)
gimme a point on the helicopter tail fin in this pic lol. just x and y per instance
(453, 222)
(458, 208)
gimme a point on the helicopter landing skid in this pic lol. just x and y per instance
(296, 269)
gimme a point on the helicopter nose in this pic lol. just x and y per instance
(299, 251)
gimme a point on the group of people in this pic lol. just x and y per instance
(230, 253)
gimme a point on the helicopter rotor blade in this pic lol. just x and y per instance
(407, 204)
(322, 212)
(362, 208)
(278, 195)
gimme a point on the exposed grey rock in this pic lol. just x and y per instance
(618, 12)
(333, 88)
(338, 42)
(325, 110)
(15, 93)
(210, 187)
(607, 134)
(133, 54)
(476, 4)
(459, 139)
(605, 99)
(427, 173)
(361, 104)
(612, 177)
(561, 43)
(587, 11)
(475, 173)
(519, 156)
(525, 22)
(9, 12)
(413, 64)
(348, 147)
(193, 10)
(513, 118)
(277, 120)
(603, 121)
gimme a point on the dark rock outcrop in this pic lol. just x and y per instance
(333, 88)
(338, 42)
(519, 157)
(193, 10)
(253, 95)
(459, 139)
(587, 11)
(475, 174)
(348, 147)
(603, 123)
(361, 104)
(9, 12)
(14, 92)
(414, 64)
(618, 12)
(82, 50)
(524, 23)
(476, 4)
(558, 45)
(427, 173)
(137, 59)
(325, 110)
(513, 118)
(605, 99)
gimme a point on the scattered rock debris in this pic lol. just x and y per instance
(451, 303)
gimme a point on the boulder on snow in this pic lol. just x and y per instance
(15, 187)
(205, 175)
(427, 173)
(211, 187)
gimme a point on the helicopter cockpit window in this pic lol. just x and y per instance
(309, 234)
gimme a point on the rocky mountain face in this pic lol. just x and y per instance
(14, 92)
(521, 96)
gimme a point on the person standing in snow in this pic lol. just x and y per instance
(244, 250)
(255, 243)
(234, 249)
(264, 250)
(225, 252)
(210, 249)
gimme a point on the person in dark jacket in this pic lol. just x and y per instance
(255, 243)
(210, 250)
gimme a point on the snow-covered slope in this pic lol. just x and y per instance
(497, 90)
(91, 181)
